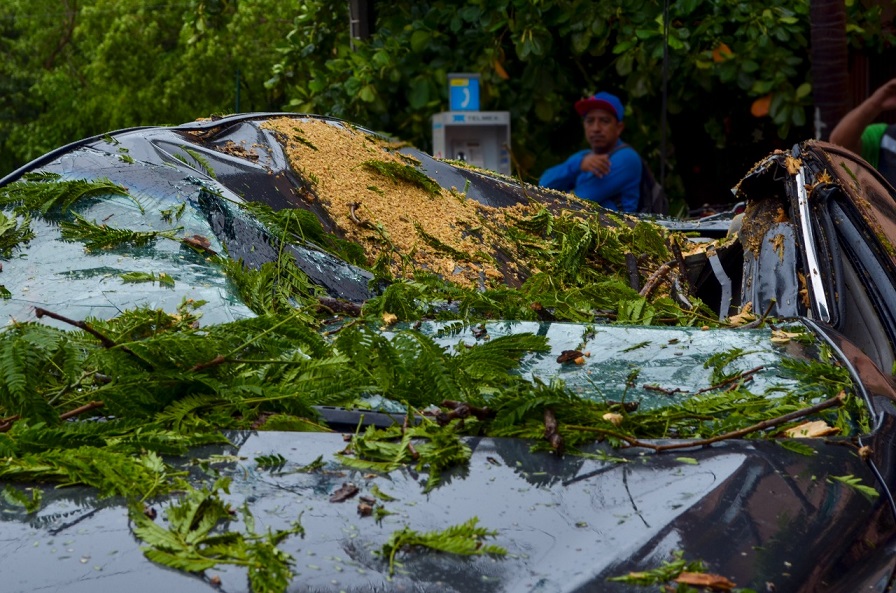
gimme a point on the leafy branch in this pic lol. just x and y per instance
(193, 541)
(833, 402)
(101, 236)
(43, 192)
(13, 234)
(466, 539)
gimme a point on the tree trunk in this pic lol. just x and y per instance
(830, 64)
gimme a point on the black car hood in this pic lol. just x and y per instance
(755, 512)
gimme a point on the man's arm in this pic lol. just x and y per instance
(619, 189)
(848, 131)
(564, 175)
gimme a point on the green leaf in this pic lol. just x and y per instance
(367, 93)
(195, 540)
(420, 40)
(418, 93)
(16, 497)
(466, 539)
(581, 42)
(624, 46)
(646, 33)
(136, 277)
(761, 87)
(624, 64)
(856, 483)
(796, 447)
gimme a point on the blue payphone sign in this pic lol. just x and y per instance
(463, 92)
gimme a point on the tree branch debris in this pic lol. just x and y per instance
(833, 402)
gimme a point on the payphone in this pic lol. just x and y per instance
(481, 138)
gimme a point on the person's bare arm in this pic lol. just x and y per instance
(848, 131)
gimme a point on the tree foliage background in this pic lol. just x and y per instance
(738, 72)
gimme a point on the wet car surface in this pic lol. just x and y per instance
(815, 249)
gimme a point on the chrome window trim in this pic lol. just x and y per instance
(818, 295)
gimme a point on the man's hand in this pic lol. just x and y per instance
(597, 164)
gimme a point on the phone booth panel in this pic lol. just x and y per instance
(481, 138)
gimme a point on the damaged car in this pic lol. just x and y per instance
(279, 352)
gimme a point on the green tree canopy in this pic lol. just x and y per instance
(78, 68)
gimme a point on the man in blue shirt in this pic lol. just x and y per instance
(608, 173)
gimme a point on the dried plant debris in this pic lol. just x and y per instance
(376, 199)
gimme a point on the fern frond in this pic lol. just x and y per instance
(13, 234)
(140, 394)
(407, 173)
(324, 381)
(492, 360)
(203, 163)
(35, 360)
(408, 300)
(135, 277)
(431, 373)
(273, 336)
(111, 473)
(99, 236)
(188, 411)
(37, 437)
(373, 354)
(465, 539)
(194, 540)
(275, 287)
(16, 497)
(46, 192)
(165, 442)
(513, 407)
(141, 322)
(296, 225)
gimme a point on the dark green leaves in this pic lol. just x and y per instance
(856, 483)
(424, 445)
(196, 539)
(36, 194)
(36, 363)
(110, 472)
(13, 233)
(100, 236)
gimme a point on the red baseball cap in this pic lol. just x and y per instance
(604, 101)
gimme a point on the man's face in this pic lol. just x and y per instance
(602, 129)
